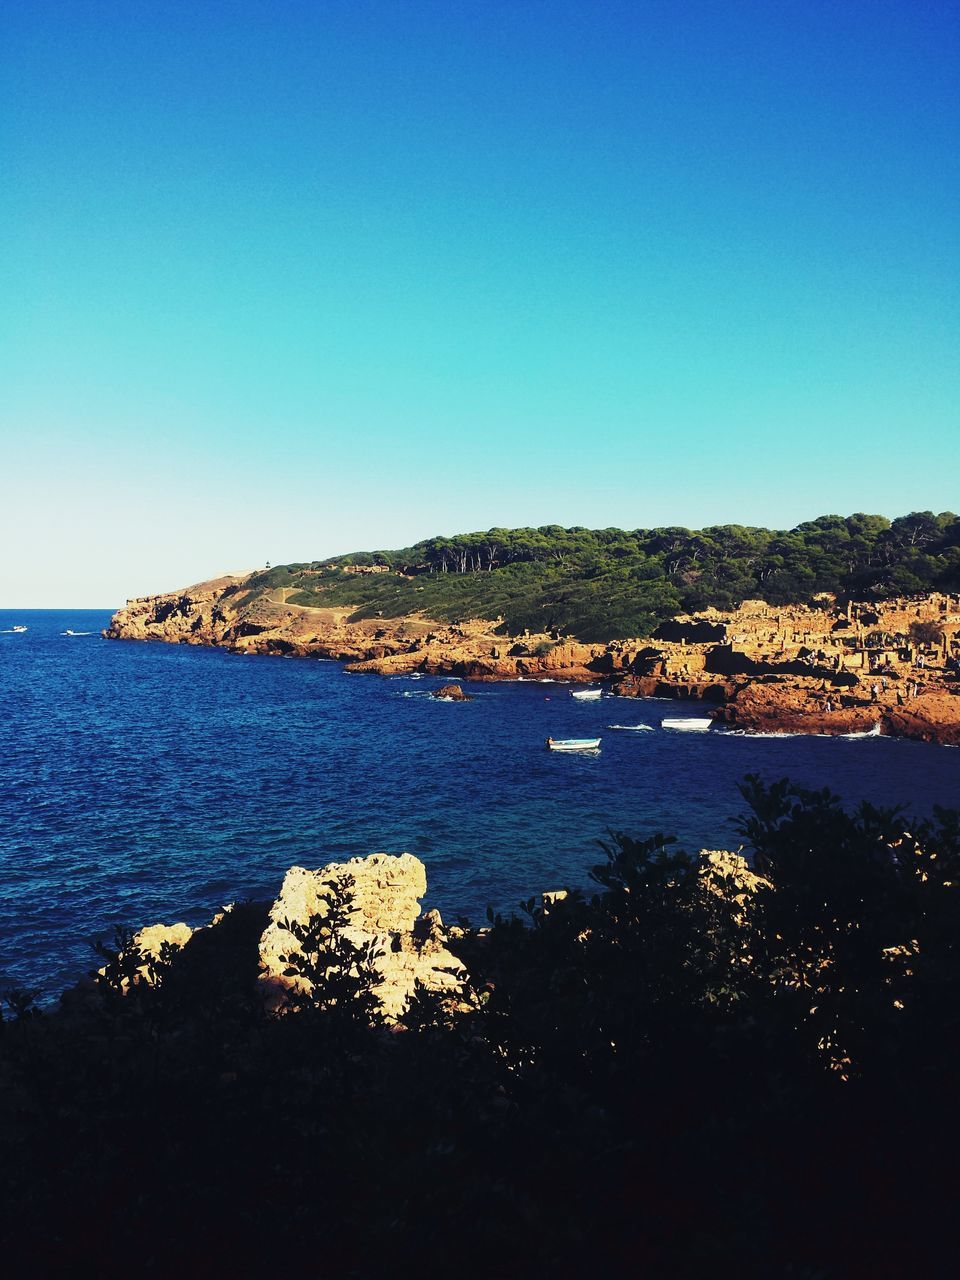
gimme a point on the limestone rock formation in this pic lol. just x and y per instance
(150, 942)
(151, 939)
(383, 902)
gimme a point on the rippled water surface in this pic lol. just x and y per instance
(156, 782)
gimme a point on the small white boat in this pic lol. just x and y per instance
(586, 695)
(68, 632)
(688, 724)
(573, 744)
(632, 728)
(17, 630)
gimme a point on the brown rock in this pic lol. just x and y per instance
(451, 693)
(728, 657)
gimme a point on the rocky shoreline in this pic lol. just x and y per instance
(371, 904)
(891, 667)
(368, 909)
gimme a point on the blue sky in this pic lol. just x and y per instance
(279, 280)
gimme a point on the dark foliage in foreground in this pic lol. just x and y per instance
(676, 1077)
(606, 584)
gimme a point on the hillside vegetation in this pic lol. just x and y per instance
(607, 584)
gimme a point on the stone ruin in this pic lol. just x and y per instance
(853, 639)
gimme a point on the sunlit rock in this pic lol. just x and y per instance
(382, 895)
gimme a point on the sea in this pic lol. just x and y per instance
(151, 782)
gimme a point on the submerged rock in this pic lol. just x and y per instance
(452, 693)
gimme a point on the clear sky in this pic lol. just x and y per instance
(280, 280)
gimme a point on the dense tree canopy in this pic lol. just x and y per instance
(604, 584)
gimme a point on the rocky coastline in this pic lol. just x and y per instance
(370, 905)
(366, 911)
(325, 1082)
(891, 667)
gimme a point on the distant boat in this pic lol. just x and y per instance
(573, 744)
(632, 728)
(68, 632)
(586, 695)
(688, 724)
(17, 630)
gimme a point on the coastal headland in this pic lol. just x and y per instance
(891, 666)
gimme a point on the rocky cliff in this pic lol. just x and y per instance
(379, 899)
(222, 612)
(892, 666)
(366, 907)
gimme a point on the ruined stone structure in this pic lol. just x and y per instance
(826, 668)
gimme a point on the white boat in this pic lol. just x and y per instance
(573, 744)
(68, 632)
(632, 728)
(688, 724)
(586, 695)
(16, 630)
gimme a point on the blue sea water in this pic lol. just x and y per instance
(149, 782)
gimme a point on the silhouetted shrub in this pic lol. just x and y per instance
(693, 1071)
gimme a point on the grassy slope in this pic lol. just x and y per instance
(529, 596)
(599, 585)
